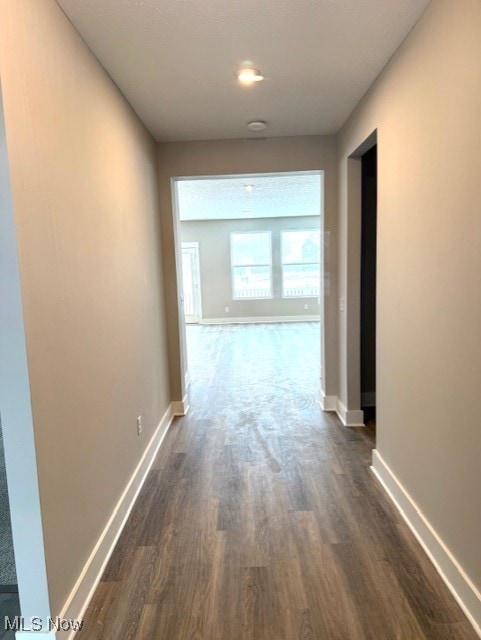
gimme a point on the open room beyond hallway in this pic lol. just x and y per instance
(260, 518)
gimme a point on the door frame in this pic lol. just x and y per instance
(196, 317)
(349, 404)
(17, 416)
(177, 250)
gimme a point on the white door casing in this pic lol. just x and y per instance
(191, 282)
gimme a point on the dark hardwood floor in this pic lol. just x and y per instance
(261, 520)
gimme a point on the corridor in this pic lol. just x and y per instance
(261, 519)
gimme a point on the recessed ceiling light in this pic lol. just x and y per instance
(249, 187)
(256, 125)
(247, 75)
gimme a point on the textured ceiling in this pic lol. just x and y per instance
(279, 195)
(175, 60)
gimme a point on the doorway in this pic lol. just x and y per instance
(359, 248)
(368, 284)
(250, 251)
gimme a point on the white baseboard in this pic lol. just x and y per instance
(353, 418)
(328, 403)
(460, 585)
(261, 319)
(181, 407)
(84, 588)
(368, 399)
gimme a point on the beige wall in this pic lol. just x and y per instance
(426, 108)
(220, 157)
(86, 204)
(213, 237)
(85, 196)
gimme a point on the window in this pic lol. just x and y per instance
(251, 265)
(300, 263)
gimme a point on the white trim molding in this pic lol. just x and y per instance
(180, 407)
(328, 403)
(349, 418)
(461, 586)
(261, 319)
(16, 408)
(83, 590)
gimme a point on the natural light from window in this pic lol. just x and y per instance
(251, 263)
(300, 252)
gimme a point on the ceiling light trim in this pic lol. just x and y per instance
(249, 75)
(257, 126)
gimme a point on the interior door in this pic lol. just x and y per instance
(191, 282)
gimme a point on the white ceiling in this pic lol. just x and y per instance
(272, 196)
(175, 60)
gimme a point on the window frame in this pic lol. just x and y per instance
(283, 264)
(268, 232)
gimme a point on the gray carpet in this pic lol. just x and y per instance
(7, 560)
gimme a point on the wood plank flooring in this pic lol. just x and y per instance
(260, 519)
